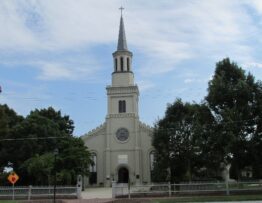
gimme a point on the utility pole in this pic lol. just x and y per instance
(55, 154)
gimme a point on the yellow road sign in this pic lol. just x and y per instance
(13, 177)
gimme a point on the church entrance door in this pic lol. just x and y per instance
(123, 175)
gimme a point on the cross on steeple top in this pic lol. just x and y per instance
(122, 45)
(121, 8)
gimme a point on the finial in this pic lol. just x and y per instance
(121, 8)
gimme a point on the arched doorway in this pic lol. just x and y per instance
(123, 175)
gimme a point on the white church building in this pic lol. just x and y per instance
(121, 147)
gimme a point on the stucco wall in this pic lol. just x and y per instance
(146, 147)
(95, 141)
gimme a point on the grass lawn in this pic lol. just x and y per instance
(209, 198)
(7, 201)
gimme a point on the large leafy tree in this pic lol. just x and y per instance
(179, 141)
(198, 140)
(256, 141)
(72, 160)
(8, 120)
(235, 100)
(32, 143)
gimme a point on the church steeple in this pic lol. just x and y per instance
(122, 45)
(122, 59)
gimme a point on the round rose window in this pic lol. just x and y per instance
(122, 134)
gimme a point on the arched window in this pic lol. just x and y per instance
(93, 170)
(122, 106)
(128, 64)
(122, 64)
(152, 159)
(115, 64)
(152, 162)
(93, 165)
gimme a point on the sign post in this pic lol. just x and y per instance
(13, 178)
(13, 197)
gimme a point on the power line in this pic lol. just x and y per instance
(32, 138)
(214, 124)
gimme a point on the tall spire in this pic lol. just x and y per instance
(122, 45)
(122, 74)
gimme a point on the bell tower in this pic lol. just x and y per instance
(121, 145)
(122, 121)
(122, 93)
(122, 74)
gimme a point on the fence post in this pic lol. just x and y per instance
(113, 189)
(129, 196)
(78, 192)
(13, 196)
(227, 188)
(29, 192)
(169, 189)
(79, 186)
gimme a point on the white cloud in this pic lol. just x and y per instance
(257, 5)
(64, 71)
(145, 85)
(72, 23)
(59, 67)
(55, 71)
(166, 32)
(193, 80)
(252, 65)
(13, 32)
(56, 24)
(189, 30)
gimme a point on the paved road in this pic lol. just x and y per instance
(238, 202)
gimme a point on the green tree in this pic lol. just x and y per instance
(34, 140)
(233, 97)
(37, 129)
(72, 160)
(39, 169)
(8, 120)
(178, 140)
(255, 146)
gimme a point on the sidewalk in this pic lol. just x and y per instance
(100, 192)
(94, 195)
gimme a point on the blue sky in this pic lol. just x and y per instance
(59, 52)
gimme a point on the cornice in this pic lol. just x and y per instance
(122, 90)
(122, 115)
(123, 150)
(121, 53)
